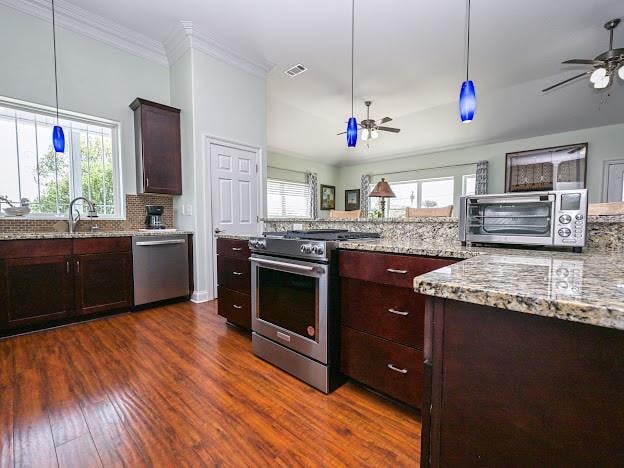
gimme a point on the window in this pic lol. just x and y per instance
(33, 170)
(287, 199)
(469, 183)
(427, 193)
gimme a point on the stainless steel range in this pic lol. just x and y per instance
(294, 302)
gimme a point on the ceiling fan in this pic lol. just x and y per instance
(371, 128)
(604, 66)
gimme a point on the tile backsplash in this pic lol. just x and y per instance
(135, 218)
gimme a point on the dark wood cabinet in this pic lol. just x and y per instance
(36, 290)
(234, 278)
(103, 282)
(383, 321)
(158, 150)
(506, 388)
(46, 281)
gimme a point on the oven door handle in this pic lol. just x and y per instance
(510, 200)
(291, 266)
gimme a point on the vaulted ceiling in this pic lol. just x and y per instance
(409, 61)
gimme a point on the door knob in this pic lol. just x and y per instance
(217, 230)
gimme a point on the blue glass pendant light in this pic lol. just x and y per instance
(467, 94)
(58, 136)
(352, 126)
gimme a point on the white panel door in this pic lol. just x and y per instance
(234, 190)
(615, 182)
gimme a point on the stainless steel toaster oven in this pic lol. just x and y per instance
(554, 218)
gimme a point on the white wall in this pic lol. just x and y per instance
(94, 78)
(604, 143)
(288, 167)
(228, 103)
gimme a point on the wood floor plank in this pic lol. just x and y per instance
(175, 386)
(79, 453)
(33, 444)
(67, 423)
(6, 426)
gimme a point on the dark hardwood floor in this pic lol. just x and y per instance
(175, 386)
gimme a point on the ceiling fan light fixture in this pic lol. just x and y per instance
(365, 134)
(621, 72)
(598, 75)
(374, 134)
(603, 82)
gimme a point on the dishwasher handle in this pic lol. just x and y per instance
(161, 242)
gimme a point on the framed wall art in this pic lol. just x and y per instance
(352, 200)
(556, 168)
(328, 197)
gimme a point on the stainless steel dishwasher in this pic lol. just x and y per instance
(161, 268)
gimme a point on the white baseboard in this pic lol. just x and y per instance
(201, 296)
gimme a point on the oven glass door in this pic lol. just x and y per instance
(528, 220)
(289, 303)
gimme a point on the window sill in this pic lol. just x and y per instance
(57, 218)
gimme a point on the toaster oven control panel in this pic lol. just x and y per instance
(571, 219)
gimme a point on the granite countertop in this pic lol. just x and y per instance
(86, 235)
(586, 288)
(236, 236)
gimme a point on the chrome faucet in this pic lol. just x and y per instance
(73, 221)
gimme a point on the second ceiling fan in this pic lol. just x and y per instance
(371, 128)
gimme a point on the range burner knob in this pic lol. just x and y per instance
(306, 248)
(261, 244)
(253, 243)
(318, 249)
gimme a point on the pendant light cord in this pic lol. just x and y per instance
(55, 68)
(468, 43)
(352, 49)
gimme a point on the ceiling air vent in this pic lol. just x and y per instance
(296, 70)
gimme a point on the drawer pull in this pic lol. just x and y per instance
(398, 272)
(398, 312)
(236, 273)
(237, 249)
(237, 306)
(396, 369)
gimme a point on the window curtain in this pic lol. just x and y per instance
(312, 179)
(364, 193)
(481, 182)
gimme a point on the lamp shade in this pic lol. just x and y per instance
(383, 190)
(467, 101)
(352, 131)
(58, 138)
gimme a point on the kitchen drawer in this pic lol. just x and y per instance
(367, 359)
(35, 248)
(103, 245)
(395, 270)
(234, 274)
(390, 312)
(235, 307)
(233, 248)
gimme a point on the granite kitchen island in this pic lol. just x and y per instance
(524, 360)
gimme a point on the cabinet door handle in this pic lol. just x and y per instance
(396, 369)
(77, 266)
(236, 273)
(398, 272)
(237, 249)
(237, 306)
(67, 266)
(397, 312)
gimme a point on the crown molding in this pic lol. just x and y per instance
(89, 24)
(183, 38)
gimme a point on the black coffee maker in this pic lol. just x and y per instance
(154, 218)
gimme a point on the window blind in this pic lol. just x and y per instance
(287, 199)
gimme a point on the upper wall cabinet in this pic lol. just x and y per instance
(157, 141)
